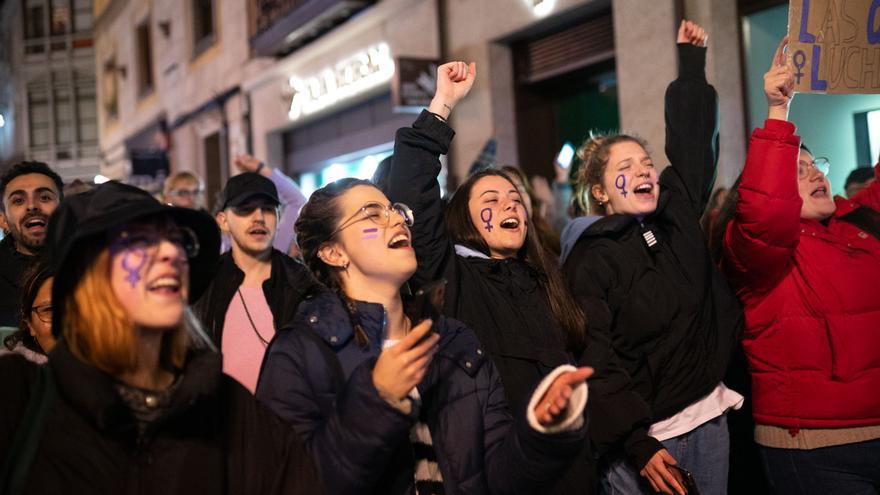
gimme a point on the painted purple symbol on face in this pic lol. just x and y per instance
(620, 183)
(134, 272)
(486, 216)
(370, 233)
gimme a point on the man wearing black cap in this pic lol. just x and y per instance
(257, 288)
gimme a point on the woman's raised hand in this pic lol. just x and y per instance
(691, 32)
(454, 81)
(779, 84)
(550, 410)
(401, 367)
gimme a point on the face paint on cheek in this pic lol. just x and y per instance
(620, 184)
(134, 270)
(370, 234)
(486, 216)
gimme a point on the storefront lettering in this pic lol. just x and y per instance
(348, 77)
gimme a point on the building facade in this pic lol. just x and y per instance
(47, 86)
(318, 88)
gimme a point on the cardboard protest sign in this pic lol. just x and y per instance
(834, 45)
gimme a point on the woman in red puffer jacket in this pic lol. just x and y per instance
(807, 268)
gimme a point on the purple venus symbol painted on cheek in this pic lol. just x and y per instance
(134, 272)
(620, 183)
(370, 233)
(486, 216)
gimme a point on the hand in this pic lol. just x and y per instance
(247, 163)
(663, 479)
(454, 82)
(551, 408)
(779, 83)
(402, 367)
(691, 32)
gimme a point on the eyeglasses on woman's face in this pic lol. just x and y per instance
(44, 312)
(821, 164)
(379, 214)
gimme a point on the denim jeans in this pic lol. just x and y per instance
(703, 451)
(852, 469)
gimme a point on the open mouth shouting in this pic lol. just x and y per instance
(510, 223)
(166, 285)
(399, 241)
(820, 192)
(35, 224)
(644, 191)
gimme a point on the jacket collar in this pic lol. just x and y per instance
(326, 316)
(92, 393)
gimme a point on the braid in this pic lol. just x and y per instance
(314, 226)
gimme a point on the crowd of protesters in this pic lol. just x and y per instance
(375, 339)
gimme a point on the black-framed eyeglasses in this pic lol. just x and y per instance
(379, 214)
(184, 237)
(44, 312)
(821, 164)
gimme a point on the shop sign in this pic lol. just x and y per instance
(834, 46)
(351, 76)
(414, 85)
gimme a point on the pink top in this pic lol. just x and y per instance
(242, 349)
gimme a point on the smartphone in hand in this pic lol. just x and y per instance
(427, 302)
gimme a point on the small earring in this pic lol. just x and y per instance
(345, 266)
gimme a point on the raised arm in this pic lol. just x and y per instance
(692, 121)
(412, 175)
(760, 241)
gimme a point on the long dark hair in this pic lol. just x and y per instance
(718, 227)
(32, 280)
(462, 230)
(316, 222)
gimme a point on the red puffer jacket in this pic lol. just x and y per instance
(811, 294)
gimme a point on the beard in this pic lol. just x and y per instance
(25, 241)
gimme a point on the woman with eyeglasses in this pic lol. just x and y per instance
(806, 266)
(34, 337)
(664, 322)
(389, 402)
(133, 398)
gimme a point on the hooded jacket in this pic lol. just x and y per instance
(663, 321)
(318, 378)
(810, 291)
(502, 301)
(12, 266)
(215, 438)
(288, 284)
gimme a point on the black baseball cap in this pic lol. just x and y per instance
(243, 187)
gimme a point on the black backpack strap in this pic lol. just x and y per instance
(866, 219)
(27, 436)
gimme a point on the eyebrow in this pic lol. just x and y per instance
(37, 190)
(496, 192)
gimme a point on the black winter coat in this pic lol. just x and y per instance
(12, 266)
(501, 300)
(317, 377)
(663, 320)
(215, 437)
(288, 284)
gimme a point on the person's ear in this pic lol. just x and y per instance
(599, 194)
(332, 254)
(222, 221)
(4, 223)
